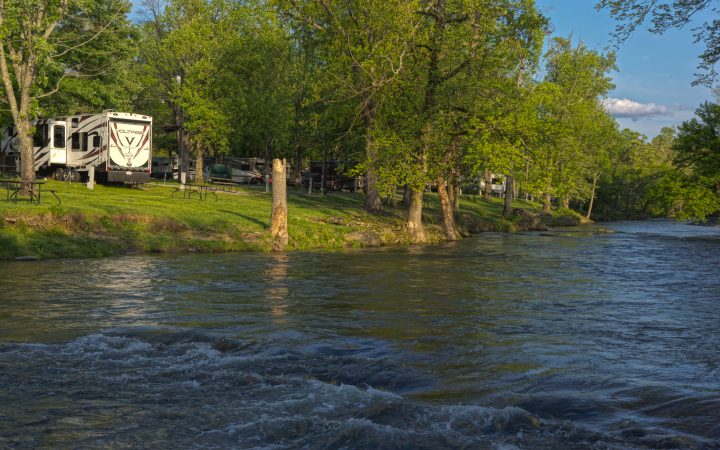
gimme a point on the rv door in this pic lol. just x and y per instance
(58, 145)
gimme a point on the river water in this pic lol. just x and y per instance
(564, 339)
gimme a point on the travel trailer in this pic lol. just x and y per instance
(112, 146)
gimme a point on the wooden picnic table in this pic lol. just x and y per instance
(34, 188)
(7, 170)
(188, 190)
(224, 184)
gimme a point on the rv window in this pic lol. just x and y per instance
(84, 146)
(74, 122)
(96, 141)
(75, 141)
(40, 137)
(59, 136)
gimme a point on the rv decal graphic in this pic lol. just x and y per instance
(128, 150)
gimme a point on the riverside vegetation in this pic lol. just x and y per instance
(403, 92)
(115, 220)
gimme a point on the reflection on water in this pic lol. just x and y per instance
(276, 292)
(563, 339)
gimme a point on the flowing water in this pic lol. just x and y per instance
(565, 339)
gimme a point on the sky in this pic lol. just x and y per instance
(653, 82)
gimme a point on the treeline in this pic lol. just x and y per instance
(407, 93)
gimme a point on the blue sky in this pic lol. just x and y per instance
(653, 81)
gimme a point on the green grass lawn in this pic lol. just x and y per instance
(112, 220)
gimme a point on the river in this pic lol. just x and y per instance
(564, 339)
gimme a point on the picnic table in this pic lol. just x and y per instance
(7, 170)
(33, 188)
(224, 184)
(188, 190)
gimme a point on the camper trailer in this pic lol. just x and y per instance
(118, 146)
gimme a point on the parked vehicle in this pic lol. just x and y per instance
(117, 145)
(246, 170)
(218, 171)
(335, 179)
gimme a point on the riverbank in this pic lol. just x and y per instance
(116, 220)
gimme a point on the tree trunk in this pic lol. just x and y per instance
(199, 177)
(279, 215)
(407, 196)
(450, 190)
(507, 208)
(27, 152)
(592, 197)
(487, 191)
(547, 203)
(446, 208)
(456, 197)
(298, 173)
(373, 202)
(565, 202)
(268, 158)
(414, 223)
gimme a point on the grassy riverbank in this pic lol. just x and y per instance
(114, 220)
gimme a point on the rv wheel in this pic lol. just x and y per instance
(73, 175)
(59, 174)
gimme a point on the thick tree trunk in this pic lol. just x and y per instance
(487, 191)
(507, 208)
(592, 198)
(414, 223)
(279, 215)
(27, 153)
(547, 203)
(446, 208)
(199, 177)
(565, 202)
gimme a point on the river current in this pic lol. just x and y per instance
(563, 339)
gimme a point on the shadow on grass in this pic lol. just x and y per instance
(248, 218)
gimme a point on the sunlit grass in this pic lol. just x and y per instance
(111, 220)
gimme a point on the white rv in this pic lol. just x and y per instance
(117, 145)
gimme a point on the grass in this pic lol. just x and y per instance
(113, 220)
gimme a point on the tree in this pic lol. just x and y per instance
(697, 144)
(35, 58)
(562, 107)
(664, 15)
(365, 45)
(697, 152)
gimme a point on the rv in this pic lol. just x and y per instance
(116, 145)
(246, 170)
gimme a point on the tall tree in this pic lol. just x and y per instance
(366, 44)
(35, 58)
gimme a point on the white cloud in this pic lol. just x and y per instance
(623, 107)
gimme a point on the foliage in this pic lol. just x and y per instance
(664, 15)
